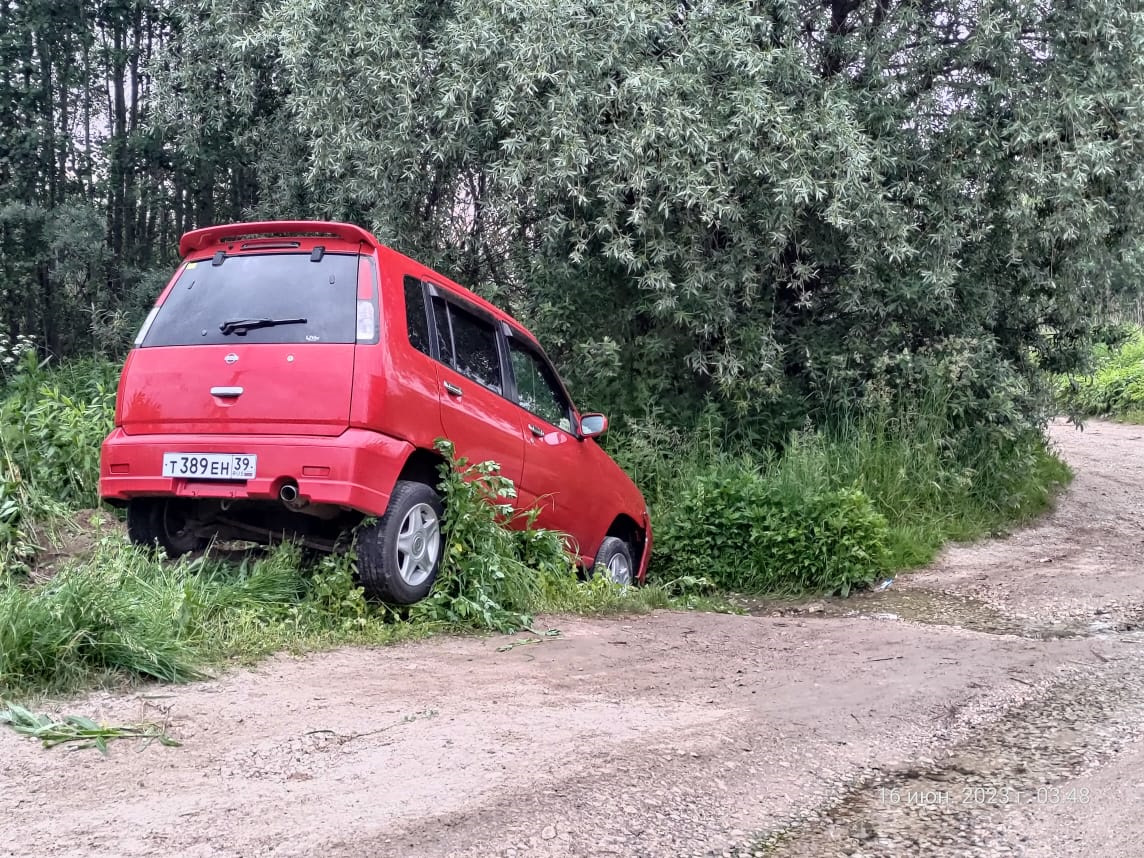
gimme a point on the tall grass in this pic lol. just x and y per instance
(52, 422)
(122, 614)
(927, 479)
(932, 483)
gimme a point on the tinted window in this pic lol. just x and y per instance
(444, 331)
(270, 286)
(415, 317)
(475, 348)
(537, 389)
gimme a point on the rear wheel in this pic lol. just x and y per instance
(162, 523)
(400, 554)
(615, 559)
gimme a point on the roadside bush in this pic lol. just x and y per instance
(749, 534)
(930, 481)
(1116, 386)
(52, 422)
(492, 576)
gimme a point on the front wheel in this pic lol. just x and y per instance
(400, 554)
(615, 558)
(162, 523)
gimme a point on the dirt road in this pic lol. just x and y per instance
(990, 705)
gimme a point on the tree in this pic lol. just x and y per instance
(82, 200)
(791, 206)
(788, 207)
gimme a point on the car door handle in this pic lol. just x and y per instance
(453, 389)
(536, 430)
(226, 392)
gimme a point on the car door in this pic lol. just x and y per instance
(471, 376)
(558, 469)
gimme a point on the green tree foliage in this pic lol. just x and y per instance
(787, 205)
(93, 194)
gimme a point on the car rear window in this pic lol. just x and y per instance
(281, 287)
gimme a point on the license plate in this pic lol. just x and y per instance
(209, 466)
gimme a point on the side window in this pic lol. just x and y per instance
(473, 347)
(415, 317)
(537, 389)
(444, 331)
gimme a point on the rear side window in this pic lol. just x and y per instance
(283, 298)
(444, 332)
(415, 318)
(468, 343)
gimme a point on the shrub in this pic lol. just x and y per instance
(930, 480)
(493, 575)
(748, 534)
(1116, 386)
(52, 422)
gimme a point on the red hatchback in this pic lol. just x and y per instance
(291, 381)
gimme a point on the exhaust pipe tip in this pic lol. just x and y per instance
(288, 494)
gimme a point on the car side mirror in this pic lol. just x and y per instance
(593, 425)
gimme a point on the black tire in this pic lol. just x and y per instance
(614, 559)
(400, 554)
(162, 523)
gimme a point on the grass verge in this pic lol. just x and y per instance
(123, 615)
(838, 507)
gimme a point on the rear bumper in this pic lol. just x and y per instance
(357, 469)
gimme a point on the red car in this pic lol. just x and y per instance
(292, 379)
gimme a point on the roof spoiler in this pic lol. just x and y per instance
(201, 239)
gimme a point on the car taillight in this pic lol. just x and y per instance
(366, 321)
(139, 337)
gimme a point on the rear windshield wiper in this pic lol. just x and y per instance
(241, 326)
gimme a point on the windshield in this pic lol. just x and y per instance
(318, 298)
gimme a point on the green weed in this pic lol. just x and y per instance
(52, 422)
(499, 569)
(1116, 386)
(79, 731)
(836, 506)
(751, 535)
